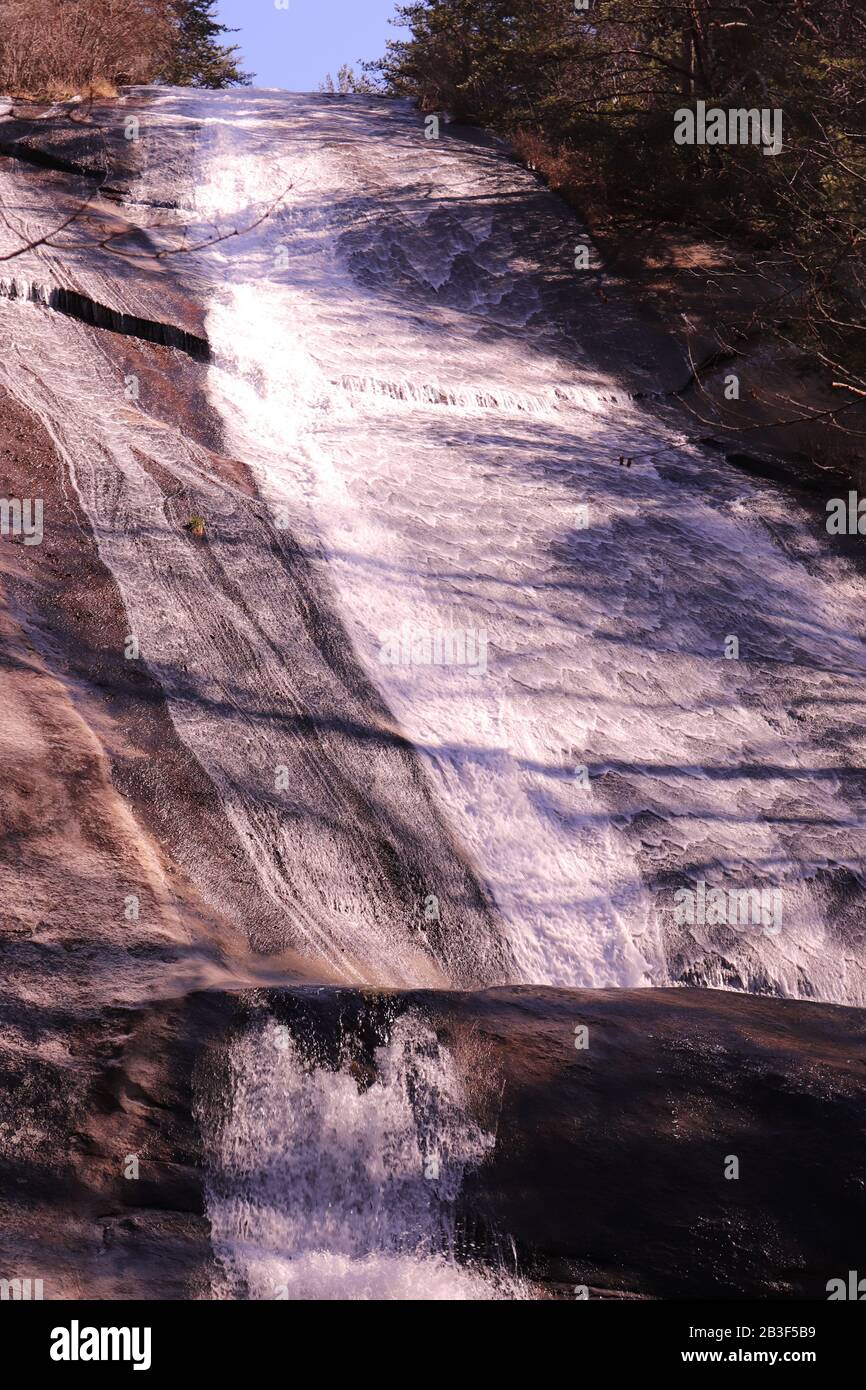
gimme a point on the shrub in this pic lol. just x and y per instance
(56, 48)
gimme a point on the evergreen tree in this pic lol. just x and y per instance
(348, 83)
(198, 58)
(587, 91)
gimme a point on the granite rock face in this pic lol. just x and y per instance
(610, 1161)
(650, 1143)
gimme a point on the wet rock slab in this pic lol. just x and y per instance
(610, 1159)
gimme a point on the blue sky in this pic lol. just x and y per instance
(295, 47)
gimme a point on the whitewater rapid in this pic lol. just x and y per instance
(461, 683)
(326, 1183)
(458, 679)
(411, 386)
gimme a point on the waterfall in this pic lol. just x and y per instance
(416, 449)
(419, 407)
(328, 1184)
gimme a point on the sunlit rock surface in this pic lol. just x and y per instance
(365, 360)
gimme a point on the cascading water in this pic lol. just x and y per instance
(325, 1186)
(417, 403)
(400, 355)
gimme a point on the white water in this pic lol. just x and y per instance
(386, 366)
(409, 378)
(322, 1188)
(422, 416)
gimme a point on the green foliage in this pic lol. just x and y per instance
(198, 58)
(589, 98)
(348, 83)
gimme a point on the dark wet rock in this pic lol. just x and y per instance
(90, 143)
(79, 306)
(609, 1164)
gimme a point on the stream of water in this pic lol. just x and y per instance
(462, 682)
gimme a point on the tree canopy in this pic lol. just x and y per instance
(198, 57)
(588, 93)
